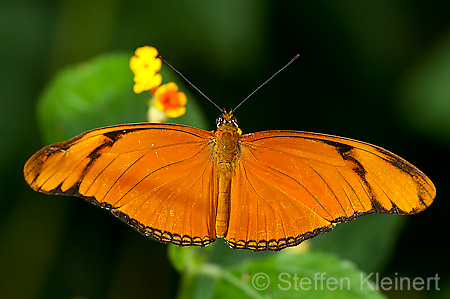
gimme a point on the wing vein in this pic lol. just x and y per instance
(324, 181)
(351, 187)
(152, 172)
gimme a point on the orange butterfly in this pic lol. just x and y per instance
(261, 191)
(266, 190)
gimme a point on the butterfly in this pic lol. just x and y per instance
(260, 191)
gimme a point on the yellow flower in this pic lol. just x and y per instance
(169, 99)
(145, 66)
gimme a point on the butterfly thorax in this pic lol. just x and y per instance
(225, 155)
(226, 146)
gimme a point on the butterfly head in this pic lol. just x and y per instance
(228, 122)
(227, 118)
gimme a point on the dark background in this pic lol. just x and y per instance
(355, 77)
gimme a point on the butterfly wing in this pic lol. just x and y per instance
(289, 186)
(159, 178)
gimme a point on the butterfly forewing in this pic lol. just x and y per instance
(159, 178)
(289, 186)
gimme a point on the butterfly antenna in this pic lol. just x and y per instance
(265, 82)
(185, 79)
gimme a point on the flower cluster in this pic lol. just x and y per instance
(167, 101)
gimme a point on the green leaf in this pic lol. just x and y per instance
(367, 241)
(99, 93)
(280, 275)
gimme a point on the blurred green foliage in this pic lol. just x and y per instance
(284, 274)
(370, 70)
(96, 94)
(424, 93)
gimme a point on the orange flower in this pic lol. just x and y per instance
(145, 66)
(154, 115)
(169, 99)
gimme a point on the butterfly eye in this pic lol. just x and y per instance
(219, 121)
(235, 121)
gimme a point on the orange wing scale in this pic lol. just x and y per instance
(290, 186)
(158, 178)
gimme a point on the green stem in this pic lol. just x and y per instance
(219, 273)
